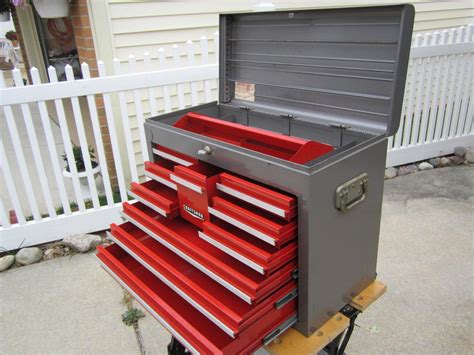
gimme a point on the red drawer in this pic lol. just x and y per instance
(160, 172)
(196, 185)
(219, 305)
(244, 247)
(265, 226)
(156, 196)
(184, 322)
(174, 156)
(293, 149)
(263, 197)
(182, 238)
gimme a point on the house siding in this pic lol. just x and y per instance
(139, 26)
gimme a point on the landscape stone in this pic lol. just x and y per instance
(391, 172)
(29, 256)
(460, 151)
(425, 166)
(6, 261)
(469, 156)
(444, 162)
(455, 160)
(435, 162)
(407, 169)
(82, 242)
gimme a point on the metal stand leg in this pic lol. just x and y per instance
(336, 347)
(176, 348)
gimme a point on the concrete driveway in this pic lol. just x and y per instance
(71, 306)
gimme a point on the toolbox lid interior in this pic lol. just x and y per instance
(333, 66)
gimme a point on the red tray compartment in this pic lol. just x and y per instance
(293, 149)
(196, 185)
(219, 305)
(160, 171)
(156, 196)
(182, 238)
(184, 322)
(265, 226)
(174, 156)
(263, 197)
(244, 247)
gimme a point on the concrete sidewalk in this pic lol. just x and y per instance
(71, 306)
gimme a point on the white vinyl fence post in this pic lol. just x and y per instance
(204, 61)
(30, 129)
(76, 109)
(179, 86)
(127, 130)
(166, 90)
(20, 157)
(98, 139)
(151, 90)
(113, 136)
(53, 78)
(53, 153)
(12, 191)
(191, 63)
(132, 68)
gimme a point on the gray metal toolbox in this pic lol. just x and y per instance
(335, 76)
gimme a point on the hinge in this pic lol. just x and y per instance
(247, 109)
(290, 117)
(287, 298)
(341, 126)
(338, 134)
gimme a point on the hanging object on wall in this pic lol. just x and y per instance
(52, 8)
(62, 32)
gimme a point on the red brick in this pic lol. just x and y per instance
(80, 21)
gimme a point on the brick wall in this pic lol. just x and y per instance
(83, 34)
(86, 51)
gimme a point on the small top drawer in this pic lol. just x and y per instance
(197, 176)
(156, 196)
(268, 199)
(174, 156)
(160, 173)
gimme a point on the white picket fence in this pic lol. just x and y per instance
(32, 172)
(437, 113)
(437, 116)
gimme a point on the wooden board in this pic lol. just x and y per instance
(293, 342)
(369, 295)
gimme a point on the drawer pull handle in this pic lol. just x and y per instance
(205, 151)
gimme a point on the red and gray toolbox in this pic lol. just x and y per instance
(262, 211)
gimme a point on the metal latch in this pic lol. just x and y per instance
(351, 193)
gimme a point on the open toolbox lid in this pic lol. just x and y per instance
(331, 66)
